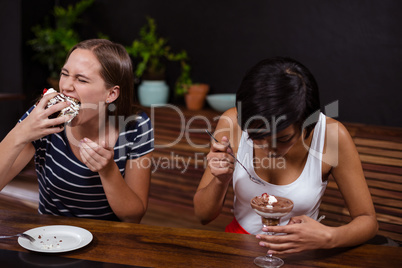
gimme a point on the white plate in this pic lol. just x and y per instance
(56, 238)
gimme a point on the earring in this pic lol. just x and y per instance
(107, 101)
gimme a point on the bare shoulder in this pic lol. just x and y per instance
(229, 117)
(338, 144)
(228, 126)
(336, 131)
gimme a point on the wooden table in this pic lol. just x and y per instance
(152, 246)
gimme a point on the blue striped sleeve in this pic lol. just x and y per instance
(142, 137)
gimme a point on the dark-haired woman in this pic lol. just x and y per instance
(97, 166)
(279, 134)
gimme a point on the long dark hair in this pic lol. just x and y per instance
(116, 70)
(280, 89)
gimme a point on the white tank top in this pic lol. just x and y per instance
(306, 191)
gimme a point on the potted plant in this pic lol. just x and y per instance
(194, 93)
(151, 53)
(53, 41)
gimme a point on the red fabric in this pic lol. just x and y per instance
(235, 227)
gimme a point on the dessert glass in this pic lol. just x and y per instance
(270, 216)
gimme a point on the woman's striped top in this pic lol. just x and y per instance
(69, 188)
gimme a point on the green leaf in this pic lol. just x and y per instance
(151, 52)
(52, 44)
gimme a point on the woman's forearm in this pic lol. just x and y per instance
(208, 201)
(358, 231)
(123, 200)
(11, 148)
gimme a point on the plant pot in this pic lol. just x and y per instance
(195, 96)
(153, 92)
(194, 102)
(200, 89)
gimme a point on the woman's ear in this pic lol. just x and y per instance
(114, 93)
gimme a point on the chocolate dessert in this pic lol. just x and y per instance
(271, 208)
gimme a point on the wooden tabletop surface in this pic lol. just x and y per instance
(153, 246)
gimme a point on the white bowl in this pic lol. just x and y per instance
(221, 102)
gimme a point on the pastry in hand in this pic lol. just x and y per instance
(72, 110)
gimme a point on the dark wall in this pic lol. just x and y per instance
(354, 48)
(10, 64)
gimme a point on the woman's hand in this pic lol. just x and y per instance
(38, 124)
(302, 233)
(220, 162)
(96, 157)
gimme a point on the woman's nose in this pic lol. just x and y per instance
(66, 84)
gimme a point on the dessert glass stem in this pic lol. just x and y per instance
(268, 260)
(269, 255)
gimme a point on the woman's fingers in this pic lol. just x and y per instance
(95, 156)
(45, 99)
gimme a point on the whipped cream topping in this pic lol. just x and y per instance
(271, 200)
(48, 91)
(268, 200)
